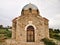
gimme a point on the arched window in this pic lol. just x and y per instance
(30, 34)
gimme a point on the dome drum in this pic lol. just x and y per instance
(30, 8)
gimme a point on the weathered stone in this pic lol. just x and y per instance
(21, 23)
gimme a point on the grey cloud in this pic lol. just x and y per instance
(50, 9)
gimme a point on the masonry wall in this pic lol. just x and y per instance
(23, 21)
(20, 24)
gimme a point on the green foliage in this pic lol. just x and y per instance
(1, 26)
(2, 31)
(54, 33)
(48, 42)
(56, 37)
(6, 33)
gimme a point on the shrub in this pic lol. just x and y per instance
(48, 42)
(6, 33)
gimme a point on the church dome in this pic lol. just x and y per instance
(30, 8)
(26, 7)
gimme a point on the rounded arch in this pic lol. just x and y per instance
(30, 25)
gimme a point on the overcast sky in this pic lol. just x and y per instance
(9, 9)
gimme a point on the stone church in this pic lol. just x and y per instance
(29, 28)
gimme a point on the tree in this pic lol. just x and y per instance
(56, 31)
(1, 26)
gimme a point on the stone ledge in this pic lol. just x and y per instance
(14, 42)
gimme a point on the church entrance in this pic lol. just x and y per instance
(30, 34)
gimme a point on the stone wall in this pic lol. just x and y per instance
(20, 24)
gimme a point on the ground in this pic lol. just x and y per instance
(4, 36)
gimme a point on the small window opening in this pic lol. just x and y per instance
(22, 11)
(30, 9)
(37, 11)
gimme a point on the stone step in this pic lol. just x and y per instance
(13, 42)
(31, 43)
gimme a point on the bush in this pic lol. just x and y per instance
(6, 33)
(48, 42)
(2, 31)
(56, 37)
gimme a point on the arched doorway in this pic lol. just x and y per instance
(30, 34)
